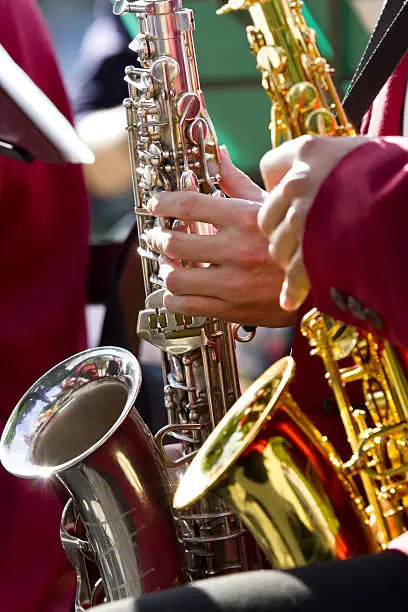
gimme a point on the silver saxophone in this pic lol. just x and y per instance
(78, 427)
(171, 143)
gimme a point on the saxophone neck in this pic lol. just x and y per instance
(295, 76)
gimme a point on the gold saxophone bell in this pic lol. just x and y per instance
(285, 480)
(265, 458)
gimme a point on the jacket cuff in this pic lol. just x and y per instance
(347, 256)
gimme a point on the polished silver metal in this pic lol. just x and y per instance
(78, 424)
(172, 142)
(128, 6)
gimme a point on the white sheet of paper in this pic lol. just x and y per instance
(42, 112)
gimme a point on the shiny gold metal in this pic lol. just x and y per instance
(378, 434)
(294, 74)
(285, 479)
(244, 335)
(265, 458)
(269, 463)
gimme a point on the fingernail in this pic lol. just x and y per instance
(167, 300)
(290, 304)
(260, 220)
(148, 235)
(163, 273)
(272, 249)
(225, 153)
(152, 204)
(284, 302)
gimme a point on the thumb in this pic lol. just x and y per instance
(276, 163)
(235, 183)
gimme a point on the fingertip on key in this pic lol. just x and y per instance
(152, 204)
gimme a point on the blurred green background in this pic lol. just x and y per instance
(237, 103)
(230, 81)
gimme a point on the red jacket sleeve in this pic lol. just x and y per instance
(43, 254)
(355, 242)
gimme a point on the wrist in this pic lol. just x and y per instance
(400, 543)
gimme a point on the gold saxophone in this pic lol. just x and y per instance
(285, 479)
(294, 74)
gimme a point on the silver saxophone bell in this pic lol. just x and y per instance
(79, 424)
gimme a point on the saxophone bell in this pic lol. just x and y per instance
(79, 424)
(283, 478)
(373, 483)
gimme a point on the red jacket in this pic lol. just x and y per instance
(43, 254)
(355, 243)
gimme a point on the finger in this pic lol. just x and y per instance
(179, 225)
(165, 262)
(185, 247)
(193, 207)
(274, 210)
(294, 186)
(235, 183)
(167, 265)
(276, 163)
(194, 305)
(296, 284)
(285, 240)
(206, 282)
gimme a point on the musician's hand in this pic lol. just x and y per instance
(293, 173)
(241, 282)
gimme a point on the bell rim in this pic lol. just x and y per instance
(27, 470)
(187, 492)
